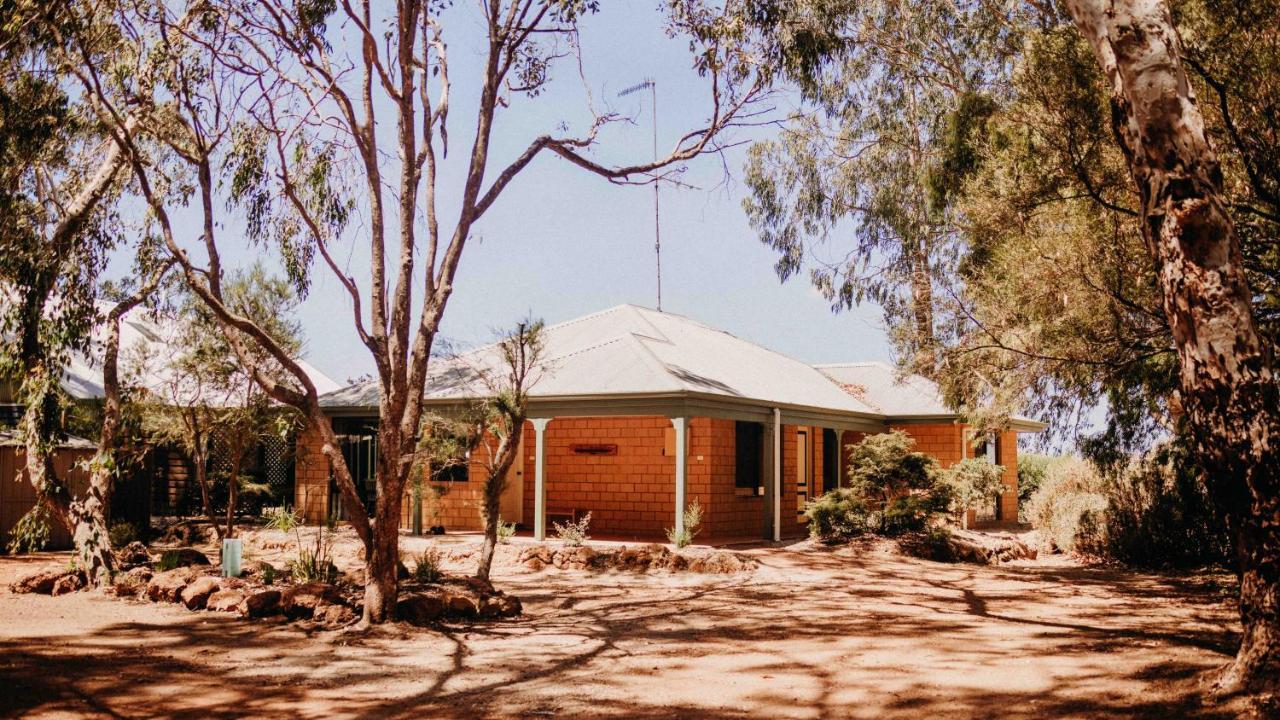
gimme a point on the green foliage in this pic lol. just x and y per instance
(426, 567)
(31, 532)
(1069, 507)
(506, 531)
(884, 465)
(268, 574)
(573, 534)
(122, 533)
(168, 561)
(912, 513)
(692, 524)
(282, 518)
(1032, 468)
(838, 515)
(973, 483)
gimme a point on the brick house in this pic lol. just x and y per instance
(638, 412)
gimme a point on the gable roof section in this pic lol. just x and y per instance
(901, 396)
(633, 351)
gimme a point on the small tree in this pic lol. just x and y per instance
(208, 404)
(884, 466)
(973, 482)
(520, 362)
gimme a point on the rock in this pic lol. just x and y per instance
(420, 609)
(68, 583)
(334, 615)
(300, 601)
(263, 570)
(133, 555)
(167, 586)
(196, 594)
(225, 600)
(132, 582)
(260, 604)
(509, 606)
(535, 556)
(460, 605)
(577, 558)
(40, 583)
(490, 606)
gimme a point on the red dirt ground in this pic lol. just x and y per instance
(813, 633)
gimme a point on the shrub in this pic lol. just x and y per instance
(885, 466)
(506, 531)
(692, 524)
(1160, 514)
(909, 513)
(282, 518)
(268, 574)
(573, 534)
(426, 568)
(837, 516)
(1031, 471)
(973, 482)
(1066, 508)
(315, 564)
(122, 533)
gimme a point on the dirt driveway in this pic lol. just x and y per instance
(813, 633)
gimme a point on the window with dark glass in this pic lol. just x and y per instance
(748, 454)
(830, 460)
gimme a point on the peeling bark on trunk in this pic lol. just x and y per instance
(1228, 386)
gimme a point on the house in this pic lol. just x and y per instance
(638, 412)
(159, 483)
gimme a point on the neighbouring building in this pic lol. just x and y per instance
(638, 412)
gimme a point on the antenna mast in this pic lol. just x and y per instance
(652, 86)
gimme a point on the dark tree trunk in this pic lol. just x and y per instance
(1228, 389)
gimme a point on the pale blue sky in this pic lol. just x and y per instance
(562, 243)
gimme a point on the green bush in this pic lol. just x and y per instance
(885, 466)
(31, 532)
(168, 561)
(1067, 505)
(122, 533)
(1160, 514)
(426, 568)
(973, 483)
(1032, 468)
(506, 531)
(911, 513)
(837, 516)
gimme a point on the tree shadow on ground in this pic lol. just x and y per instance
(813, 634)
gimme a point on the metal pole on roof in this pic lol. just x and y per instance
(652, 86)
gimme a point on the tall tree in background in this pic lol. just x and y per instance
(271, 91)
(1228, 389)
(857, 187)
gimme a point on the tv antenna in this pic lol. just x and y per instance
(652, 86)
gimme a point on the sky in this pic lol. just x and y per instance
(560, 242)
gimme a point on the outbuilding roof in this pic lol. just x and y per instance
(82, 378)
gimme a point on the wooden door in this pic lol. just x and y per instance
(511, 505)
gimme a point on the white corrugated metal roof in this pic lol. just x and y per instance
(884, 388)
(631, 350)
(82, 378)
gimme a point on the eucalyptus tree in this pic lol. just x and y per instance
(857, 184)
(285, 100)
(1227, 384)
(60, 179)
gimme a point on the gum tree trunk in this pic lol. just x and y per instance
(1227, 382)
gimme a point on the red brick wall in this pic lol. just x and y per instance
(311, 477)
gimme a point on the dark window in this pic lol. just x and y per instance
(830, 460)
(457, 470)
(749, 455)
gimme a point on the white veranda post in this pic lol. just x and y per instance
(540, 478)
